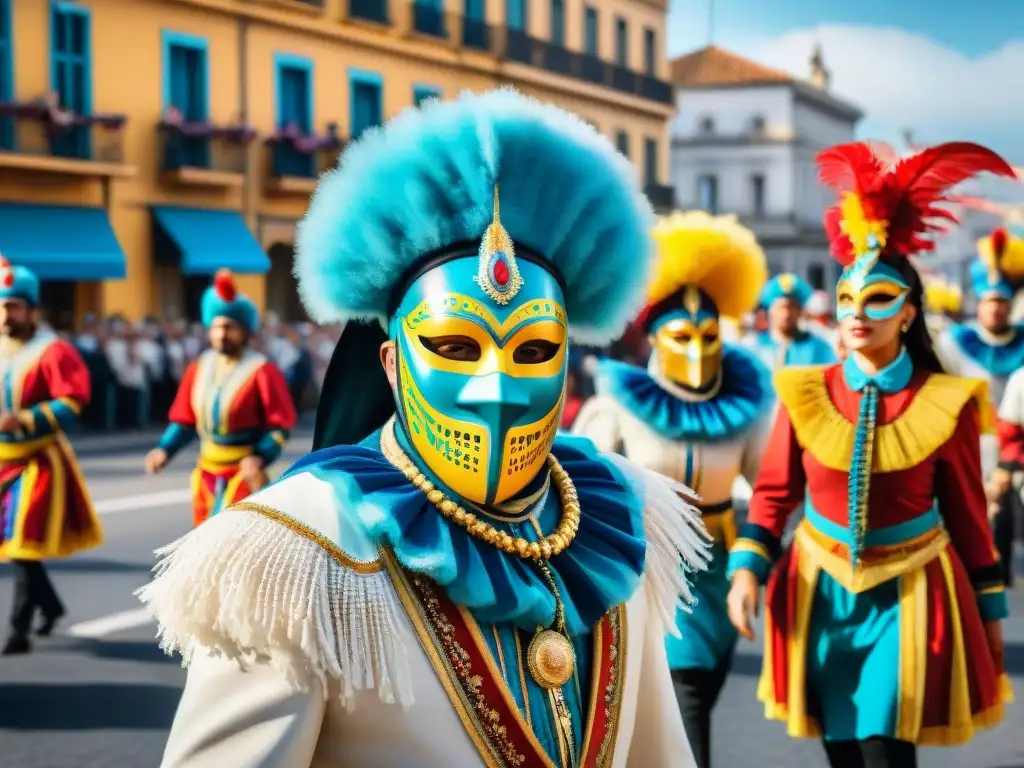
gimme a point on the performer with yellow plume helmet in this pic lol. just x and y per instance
(937, 300)
(699, 414)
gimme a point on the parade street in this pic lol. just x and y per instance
(100, 694)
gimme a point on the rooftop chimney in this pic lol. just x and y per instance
(820, 76)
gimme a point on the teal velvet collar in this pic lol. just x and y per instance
(600, 570)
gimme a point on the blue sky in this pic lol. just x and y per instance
(947, 69)
(972, 28)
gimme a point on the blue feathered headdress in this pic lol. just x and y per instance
(426, 180)
(222, 299)
(786, 286)
(18, 283)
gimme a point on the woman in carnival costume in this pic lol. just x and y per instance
(446, 582)
(882, 628)
(700, 413)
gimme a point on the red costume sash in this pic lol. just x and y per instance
(455, 646)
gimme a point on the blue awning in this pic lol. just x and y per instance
(209, 240)
(61, 242)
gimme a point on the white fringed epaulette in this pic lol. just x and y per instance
(259, 581)
(677, 541)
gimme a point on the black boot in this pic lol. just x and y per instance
(16, 644)
(49, 622)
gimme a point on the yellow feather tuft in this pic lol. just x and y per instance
(1012, 262)
(954, 299)
(936, 295)
(714, 253)
(857, 226)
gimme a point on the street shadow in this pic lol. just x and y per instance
(144, 651)
(87, 565)
(87, 706)
(746, 664)
(1015, 661)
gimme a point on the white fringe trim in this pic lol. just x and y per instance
(677, 541)
(247, 587)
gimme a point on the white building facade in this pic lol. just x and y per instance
(743, 141)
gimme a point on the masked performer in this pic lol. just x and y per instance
(45, 510)
(235, 400)
(462, 587)
(700, 414)
(882, 628)
(785, 342)
(992, 348)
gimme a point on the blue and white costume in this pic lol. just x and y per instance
(446, 582)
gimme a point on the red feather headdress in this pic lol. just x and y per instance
(888, 204)
(224, 285)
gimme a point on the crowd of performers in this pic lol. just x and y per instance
(450, 579)
(234, 399)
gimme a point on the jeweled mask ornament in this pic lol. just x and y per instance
(868, 285)
(481, 349)
(688, 341)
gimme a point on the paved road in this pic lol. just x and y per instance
(101, 695)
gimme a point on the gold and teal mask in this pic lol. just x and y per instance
(870, 286)
(688, 340)
(481, 346)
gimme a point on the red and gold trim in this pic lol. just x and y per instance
(457, 650)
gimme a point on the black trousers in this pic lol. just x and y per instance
(697, 691)
(32, 590)
(871, 753)
(1003, 528)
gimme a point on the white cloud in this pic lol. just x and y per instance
(905, 80)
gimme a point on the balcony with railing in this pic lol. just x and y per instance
(522, 48)
(376, 11)
(296, 160)
(203, 154)
(477, 35)
(42, 136)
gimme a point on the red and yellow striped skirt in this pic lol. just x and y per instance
(45, 509)
(895, 648)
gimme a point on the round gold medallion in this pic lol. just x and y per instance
(550, 659)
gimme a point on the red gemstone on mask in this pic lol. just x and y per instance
(501, 273)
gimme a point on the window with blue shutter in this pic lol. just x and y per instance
(475, 32)
(6, 73)
(71, 75)
(590, 31)
(622, 142)
(621, 42)
(517, 11)
(650, 161)
(558, 22)
(650, 52)
(421, 93)
(186, 90)
(366, 100)
(294, 79)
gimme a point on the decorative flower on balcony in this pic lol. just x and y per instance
(293, 136)
(239, 133)
(46, 109)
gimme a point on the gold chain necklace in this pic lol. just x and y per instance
(552, 544)
(550, 656)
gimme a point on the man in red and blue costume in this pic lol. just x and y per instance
(235, 400)
(883, 619)
(45, 510)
